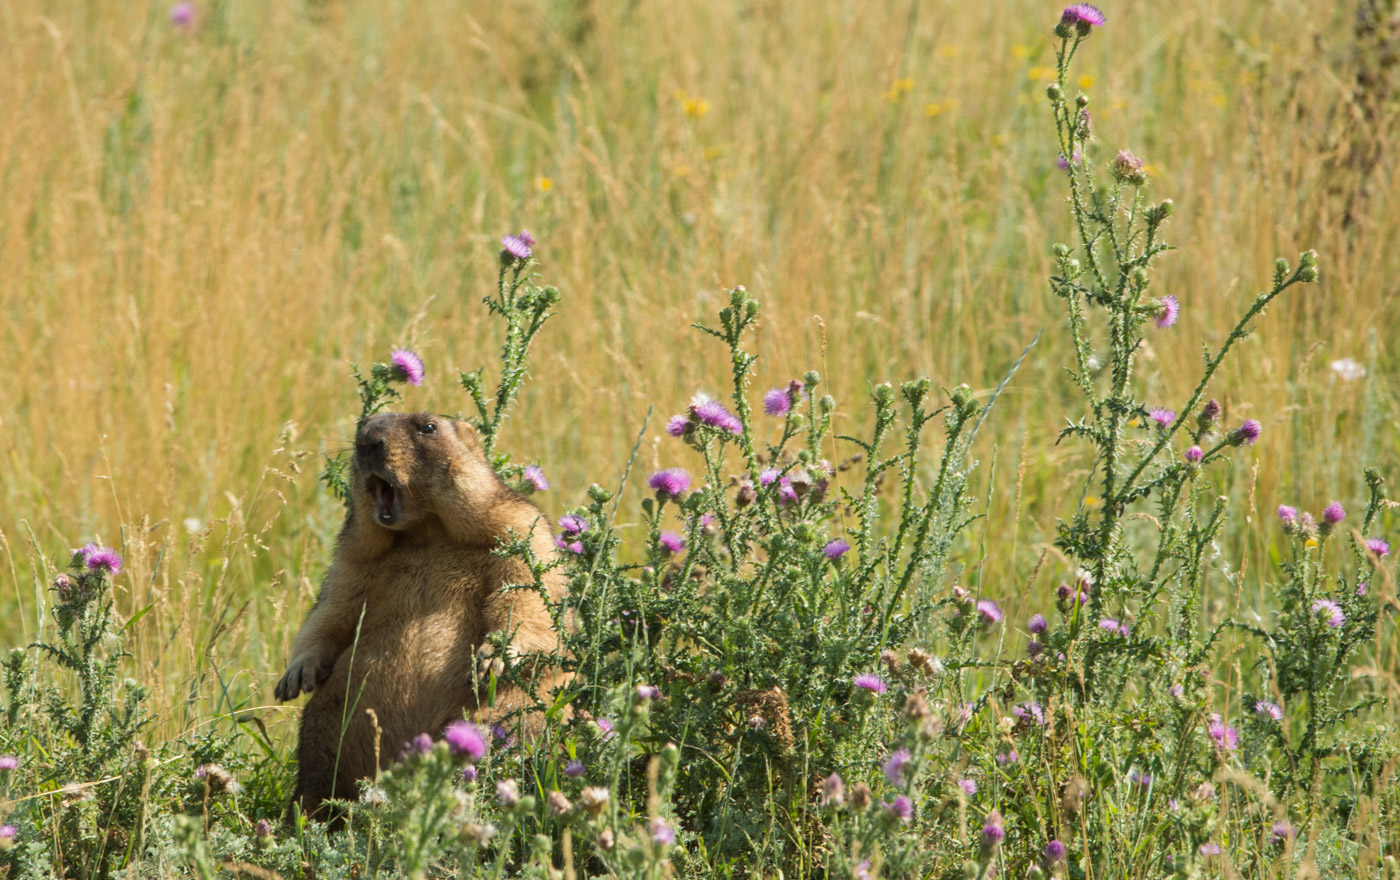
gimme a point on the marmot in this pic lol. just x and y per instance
(415, 559)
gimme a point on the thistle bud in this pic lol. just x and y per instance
(1054, 92)
(883, 394)
(1082, 101)
(812, 379)
(598, 494)
(860, 796)
(1127, 168)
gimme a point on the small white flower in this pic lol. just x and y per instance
(193, 525)
(1347, 369)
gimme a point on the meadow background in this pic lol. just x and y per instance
(203, 226)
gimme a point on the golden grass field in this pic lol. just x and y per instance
(202, 228)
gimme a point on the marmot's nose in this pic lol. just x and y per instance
(369, 442)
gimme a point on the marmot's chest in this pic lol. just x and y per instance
(425, 584)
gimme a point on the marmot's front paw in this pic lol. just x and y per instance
(302, 676)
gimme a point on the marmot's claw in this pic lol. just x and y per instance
(301, 677)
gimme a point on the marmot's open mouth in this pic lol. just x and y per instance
(388, 506)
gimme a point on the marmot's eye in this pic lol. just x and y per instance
(429, 428)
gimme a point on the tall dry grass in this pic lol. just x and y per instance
(199, 231)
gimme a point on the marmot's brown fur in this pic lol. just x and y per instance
(415, 557)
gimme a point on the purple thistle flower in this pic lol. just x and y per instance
(406, 366)
(575, 547)
(507, 793)
(1005, 758)
(1361, 588)
(1054, 852)
(535, 477)
(711, 412)
(1128, 168)
(1163, 417)
(263, 830)
(1064, 164)
(182, 15)
(870, 682)
(422, 744)
(104, 559)
(1210, 849)
(661, 832)
(1082, 15)
(901, 808)
(896, 764)
(968, 786)
(1038, 624)
(1227, 739)
(1289, 515)
(1273, 710)
(502, 734)
(994, 831)
(573, 524)
(469, 773)
(606, 727)
(1029, 711)
(1195, 454)
(1170, 309)
(1334, 513)
(1109, 624)
(768, 477)
(787, 494)
(518, 246)
(776, 402)
(526, 237)
(990, 611)
(833, 791)
(8, 762)
(672, 481)
(678, 425)
(671, 542)
(466, 740)
(836, 549)
(1378, 546)
(1331, 610)
(1281, 831)
(1033, 648)
(8, 832)
(573, 769)
(648, 692)
(1140, 779)
(1246, 433)
(1176, 691)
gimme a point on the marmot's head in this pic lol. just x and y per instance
(413, 466)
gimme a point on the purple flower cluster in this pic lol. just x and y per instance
(535, 479)
(1170, 309)
(989, 610)
(1329, 610)
(672, 482)
(1083, 16)
(519, 246)
(1226, 738)
(97, 558)
(836, 549)
(466, 740)
(406, 366)
(896, 765)
(870, 682)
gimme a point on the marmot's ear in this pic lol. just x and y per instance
(467, 434)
